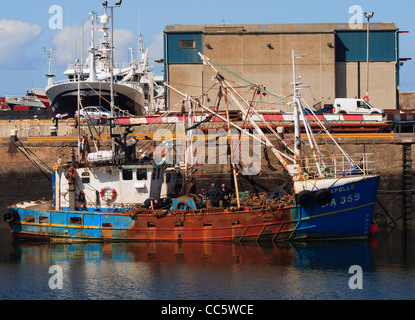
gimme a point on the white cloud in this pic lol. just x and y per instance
(15, 37)
(64, 43)
(123, 40)
(156, 52)
(156, 48)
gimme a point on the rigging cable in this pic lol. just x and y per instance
(38, 163)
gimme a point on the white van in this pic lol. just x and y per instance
(343, 105)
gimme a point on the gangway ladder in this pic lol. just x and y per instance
(407, 183)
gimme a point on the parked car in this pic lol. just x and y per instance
(93, 112)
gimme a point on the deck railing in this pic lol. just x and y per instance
(339, 165)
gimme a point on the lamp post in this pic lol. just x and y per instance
(105, 6)
(368, 16)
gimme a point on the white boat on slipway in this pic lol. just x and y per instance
(134, 84)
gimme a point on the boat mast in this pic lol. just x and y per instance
(235, 179)
(78, 70)
(299, 111)
(296, 114)
(92, 72)
(112, 71)
(291, 168)
(50, 76)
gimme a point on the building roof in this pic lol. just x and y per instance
(278, 28)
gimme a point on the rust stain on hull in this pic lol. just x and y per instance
(254, 225)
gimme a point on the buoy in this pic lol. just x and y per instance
(373, 228)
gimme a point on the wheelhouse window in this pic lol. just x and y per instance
(127, 174)
(85, 177)
(141, 174)
(187, 44)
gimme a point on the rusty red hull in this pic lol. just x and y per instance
(249, 225)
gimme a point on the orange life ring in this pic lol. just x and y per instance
(366, 98)
(104, 192)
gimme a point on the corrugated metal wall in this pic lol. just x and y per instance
(177, 55)
(351, 46)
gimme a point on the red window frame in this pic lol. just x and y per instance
(188, 44)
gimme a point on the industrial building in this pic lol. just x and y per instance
(334, 65)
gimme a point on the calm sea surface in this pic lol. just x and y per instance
(314, 270)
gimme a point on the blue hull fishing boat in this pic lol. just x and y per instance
(104, 197)
(348, 214)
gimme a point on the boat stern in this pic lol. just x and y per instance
(28, 221)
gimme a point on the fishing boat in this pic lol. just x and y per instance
(102, 196)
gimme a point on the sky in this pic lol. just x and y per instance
(27, 29)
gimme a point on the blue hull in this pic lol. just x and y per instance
(349, 213)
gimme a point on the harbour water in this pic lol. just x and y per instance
(197, 271)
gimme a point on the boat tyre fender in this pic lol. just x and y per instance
(305, 198)
(104, 194)
(323, 196)
(9, 216)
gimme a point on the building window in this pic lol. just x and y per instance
(187, 44)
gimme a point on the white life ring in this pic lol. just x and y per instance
(108, 194)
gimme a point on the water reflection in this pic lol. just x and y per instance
(171, 270)
(315, 255)
(312, 270)
(334, 255)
